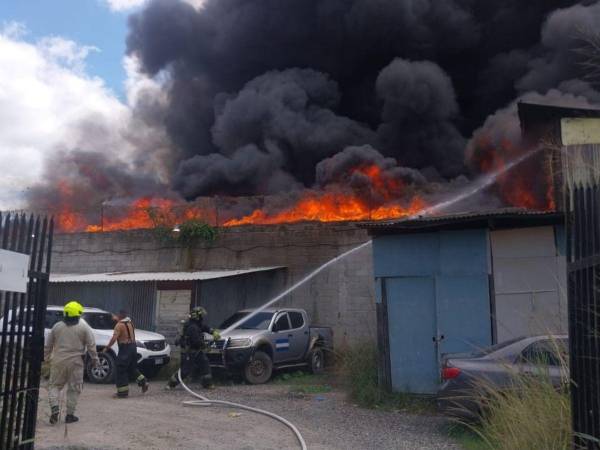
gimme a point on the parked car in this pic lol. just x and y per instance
(272, 339)
(152, 349)
(497, 367)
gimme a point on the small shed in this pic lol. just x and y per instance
(458, 283)
(158, 301)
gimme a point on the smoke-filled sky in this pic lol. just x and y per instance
(245, 97)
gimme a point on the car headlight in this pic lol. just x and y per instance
(140, 344)
(239, 343)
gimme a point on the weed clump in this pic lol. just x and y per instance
(533, 414)
(359, 376)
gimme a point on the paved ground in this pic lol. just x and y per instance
(159, 421)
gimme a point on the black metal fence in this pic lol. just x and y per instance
(22, 330)
(583, 221)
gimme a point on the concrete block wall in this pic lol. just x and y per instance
(172, 306)
(342, 296)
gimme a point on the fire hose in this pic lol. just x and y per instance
(203, 401)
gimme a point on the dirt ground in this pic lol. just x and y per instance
(157, 420)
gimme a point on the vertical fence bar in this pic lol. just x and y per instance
(583, 227)
(6, 429)
(19, 335)
(23, 391)
(22, 330)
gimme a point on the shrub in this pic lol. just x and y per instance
(359, 376)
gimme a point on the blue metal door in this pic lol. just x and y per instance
(463, 313)
(412, 329)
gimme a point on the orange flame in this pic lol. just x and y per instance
(329, 207)
(521, 186)
(342, 206)
(385, 198)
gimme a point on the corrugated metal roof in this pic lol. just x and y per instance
(505, 217)
(154, 276)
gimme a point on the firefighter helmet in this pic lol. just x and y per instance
(73, 309)
(197, 313)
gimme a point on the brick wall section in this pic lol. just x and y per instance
(341, 296)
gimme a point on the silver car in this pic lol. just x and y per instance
(498, 367)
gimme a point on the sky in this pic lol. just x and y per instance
(61, 62)
(101, 24)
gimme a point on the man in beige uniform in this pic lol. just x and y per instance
(67, 344)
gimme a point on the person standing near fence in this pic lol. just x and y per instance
(124, 336)
(66, 346)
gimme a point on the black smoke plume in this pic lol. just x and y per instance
(274, 97)
(262, 91)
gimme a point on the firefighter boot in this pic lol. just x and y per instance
(71, 418)
(54, 415)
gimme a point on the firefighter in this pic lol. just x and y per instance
(124, 336)
(193, 359)
(66, 346)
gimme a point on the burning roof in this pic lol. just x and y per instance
(326, 111)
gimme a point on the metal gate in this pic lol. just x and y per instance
(22, 327)
(584, 313)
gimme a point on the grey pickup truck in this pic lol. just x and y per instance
(272, 339)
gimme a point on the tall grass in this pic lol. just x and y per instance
(531, 414)
(358, 372)
(359, 376)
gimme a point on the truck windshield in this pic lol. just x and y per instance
(260, 321)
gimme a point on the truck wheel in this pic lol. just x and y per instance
(316, 361)
(259, 369)
(105, 372)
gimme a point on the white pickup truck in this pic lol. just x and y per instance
(152, 349)
(272, 339)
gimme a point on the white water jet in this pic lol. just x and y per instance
(295, 286)
(479, 185)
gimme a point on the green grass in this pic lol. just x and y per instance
(359, 376)
(467, 438)
(304, 383)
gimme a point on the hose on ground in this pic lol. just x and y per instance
(203, 401)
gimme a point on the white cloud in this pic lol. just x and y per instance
(44, 95)
(126, 5)
(65, 52)
(13, 29)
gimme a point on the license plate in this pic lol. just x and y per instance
(158, 361)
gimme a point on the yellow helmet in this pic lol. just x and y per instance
(73, 309)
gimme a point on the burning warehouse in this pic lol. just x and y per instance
(460, 283)
(372, 117)
(397, 168)
(331, 131)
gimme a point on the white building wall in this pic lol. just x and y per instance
(529, 283)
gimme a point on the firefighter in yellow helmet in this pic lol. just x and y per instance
(67, 344)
